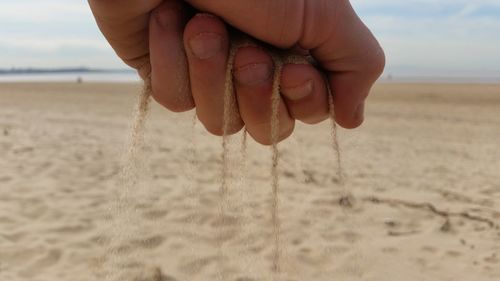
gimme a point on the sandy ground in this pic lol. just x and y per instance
(424, 169)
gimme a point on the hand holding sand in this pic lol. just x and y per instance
(330, 30)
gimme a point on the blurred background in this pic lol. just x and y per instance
(423, 39)
(436, 38)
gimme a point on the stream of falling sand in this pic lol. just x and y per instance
(279, 59)
(129, 176)
(275, 102)
(136, 144)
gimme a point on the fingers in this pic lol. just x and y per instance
(207, 44)
(331, 30)
(169, 69)
(354, 60)
(350, 91)
(253, 73)
(124, 23)
(305, 94)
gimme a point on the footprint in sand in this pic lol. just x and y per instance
(33, 208)
(296, 242)
(73, 229)
(429, 249)
(5, 179)
(51, 259)
(313, 258)
(13, 237)
(151, 274)
(150, 242)
(225, 221)
(453, 254)
(197, 265)
(390, 250)
(492, 259)
(244, 279)
(100, 240)
(155, 214)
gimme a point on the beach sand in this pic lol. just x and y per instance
(424, 169)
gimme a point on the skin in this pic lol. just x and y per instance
(186, 54)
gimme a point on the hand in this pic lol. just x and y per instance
(126, 25)
(329, 29)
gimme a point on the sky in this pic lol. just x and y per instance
(420, 37)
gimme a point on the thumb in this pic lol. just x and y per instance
(125, 23)
(333, 33)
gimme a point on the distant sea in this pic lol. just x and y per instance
(440, 80)
(132, 77)
(85, 76)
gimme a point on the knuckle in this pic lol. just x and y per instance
(286, 28)
(318, 22)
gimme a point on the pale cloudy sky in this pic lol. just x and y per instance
(434, 37)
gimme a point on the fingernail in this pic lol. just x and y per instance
(205, 45)
(253, 74)
(299, 92)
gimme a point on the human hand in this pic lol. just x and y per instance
(341, 43)
(335, 37)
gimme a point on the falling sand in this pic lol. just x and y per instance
(55, 222)
(130, 174)
(280, 58)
